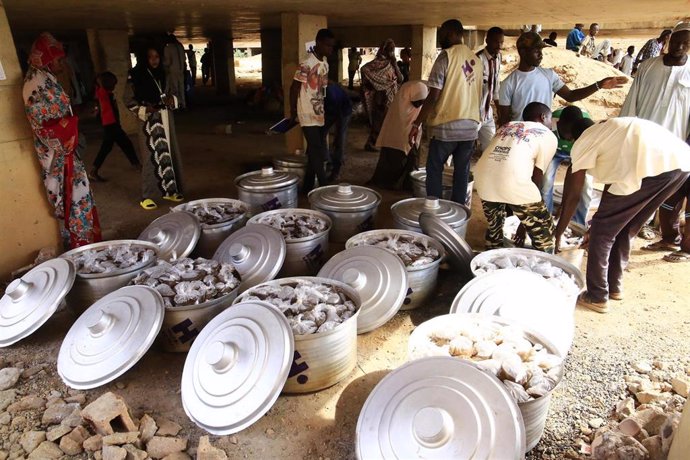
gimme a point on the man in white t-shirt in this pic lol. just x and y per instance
(661, 93)
(531, 83)
(307, 95)
(642, 164)
(626, 65)
(509, 175)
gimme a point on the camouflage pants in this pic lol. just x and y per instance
(534, 216)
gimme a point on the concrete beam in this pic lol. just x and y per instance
(373, 37)
(423, 51)
(27, 218)
(109, 51)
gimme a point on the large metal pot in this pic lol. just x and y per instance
(321, 359)
(212, 235)
(533, 412)
(575, 273)
(90, 287)
(267, 189)
(422, 279)
(419, 185)
(351, 208)
(406, 213)
(293, 164)
(303, 256)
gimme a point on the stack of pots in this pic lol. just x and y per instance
(267, 189)
(321, 359)
(303, 256)
(212, 235)
(406, 214)
(90, 287)
(535, 411)
(419, 185)
(351, 208)
(421, 279)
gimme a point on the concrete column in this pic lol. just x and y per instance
(27, 218)
(473, 38)
(423, 51)
(270, 57)
(110, 51)
(297, 30)
(224, 66)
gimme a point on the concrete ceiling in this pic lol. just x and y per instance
(201, 18)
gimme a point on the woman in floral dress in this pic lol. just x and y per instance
(56, 131)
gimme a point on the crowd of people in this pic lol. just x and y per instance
(642, 156)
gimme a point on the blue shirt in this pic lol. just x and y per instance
(574, 40)
(338, 103)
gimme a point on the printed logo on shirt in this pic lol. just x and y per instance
(468, 70)
(500, 153)
(519, 132)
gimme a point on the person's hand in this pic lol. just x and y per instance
(520, 236)
(585, 241)
(557, 236)
(412, 138)
(612, 82)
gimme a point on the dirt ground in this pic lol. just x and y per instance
(652, 321)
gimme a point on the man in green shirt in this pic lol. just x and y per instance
(566, 118)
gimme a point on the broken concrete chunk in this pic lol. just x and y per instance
(9, 377)
(629, 427)
(74, 419)
(167, 427)
(93, 443)
(7, 397)
(133, 453)
(30, 402)
(70, 446)
(31, 440)
(178, 456)
(118, 439)
(79, 434)
(56, 432)
(206, 451)
(159, 447)
(114, 453)
(653, 446)
(681, 385)
(47, 450)
(625, 408)
(147, 428)
(651, 419)
(667, 431)
(58, 412)
(109, 414)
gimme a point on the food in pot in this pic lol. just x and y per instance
(294, 224)
(526, 369)
(535, 264)
(215, 213)
(413, 251)
(309, 307)
(111, 259)
(186, 282)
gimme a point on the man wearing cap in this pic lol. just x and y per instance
(509, 174)
(642, 164)
(531, 83)
(661, 93)
(652, 48)
(453, 108)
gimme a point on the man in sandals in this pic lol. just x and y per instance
(661, 93)
(642, 165)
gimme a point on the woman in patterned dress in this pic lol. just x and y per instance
(144, 95)
(56, 131)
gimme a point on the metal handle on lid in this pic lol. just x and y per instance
(221, 356)
(431, 202)
(18, 289)
(432, 426)
(344, 189)
(101, 325)
(267, 171)
(159, 237)
(354, 278)
(239, 252)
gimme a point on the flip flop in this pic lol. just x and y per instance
(176, 197)
(677, 257)
(660, 246)
(585, 301)
(148, 204)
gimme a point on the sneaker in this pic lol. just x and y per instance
(585, 301)
(616, 295)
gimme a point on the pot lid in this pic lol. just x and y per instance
(31, 300)
(256, 251)
(293, 160)
(237, 367)
(344, 198)
(451, 213)
(440, 407)
(110, 337)
(175, 234)
(266, 179)
(524, 297)
(378, 276)
(459, 252)
(420, 175)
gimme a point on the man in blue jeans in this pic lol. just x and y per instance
(453, 108)
(566, 118)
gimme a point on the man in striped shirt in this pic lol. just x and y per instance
(491, 62)
(652, 48)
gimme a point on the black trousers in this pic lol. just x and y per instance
(114, 134)
(317, 152)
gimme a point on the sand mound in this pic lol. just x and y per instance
(576, 72)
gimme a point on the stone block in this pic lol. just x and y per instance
(109, 414)
(159, 447)
(47, 450)
(31, 440)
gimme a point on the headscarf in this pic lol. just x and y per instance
(144, 79)
(401, 114)
(45, 50)
(681, 26)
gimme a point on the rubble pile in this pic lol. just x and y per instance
(111, 259)
(294, 224)
(215, 213)
(413, 251)
(310, 307)
(644, 421)
(185, 282)
(55, 426)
